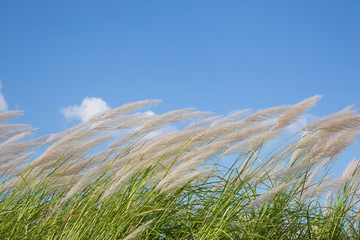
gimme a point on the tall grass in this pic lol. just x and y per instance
(120, 176)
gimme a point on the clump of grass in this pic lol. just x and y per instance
(119, 176)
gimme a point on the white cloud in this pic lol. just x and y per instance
(161, 131)
(300, 123)
(3, 104)
(89, 107)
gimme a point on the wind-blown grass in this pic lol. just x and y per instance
(210, 180)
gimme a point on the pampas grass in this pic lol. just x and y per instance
(118, 176)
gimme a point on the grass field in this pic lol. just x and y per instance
(120, 176)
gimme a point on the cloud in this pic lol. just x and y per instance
(158, 132)
(89, 107)
(3, 104)
(162, 131)
(300, 123)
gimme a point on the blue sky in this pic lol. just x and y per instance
(216, 56)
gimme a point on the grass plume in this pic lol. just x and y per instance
(118, 176)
